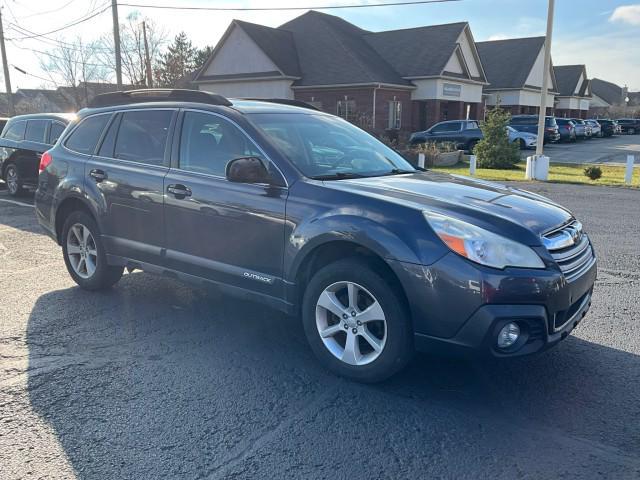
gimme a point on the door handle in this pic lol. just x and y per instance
(98, 175)
(179, 191)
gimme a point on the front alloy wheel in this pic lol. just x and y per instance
(351, 323)
(357, 321)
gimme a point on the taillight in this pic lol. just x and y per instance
(45, 160)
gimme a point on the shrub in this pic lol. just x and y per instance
(495, 150)
(594, 173)
(431, 151)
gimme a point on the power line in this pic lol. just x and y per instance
(24, 72)
(102, 65)
(256, 9)
(64, 27)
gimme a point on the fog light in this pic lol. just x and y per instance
(508, 335)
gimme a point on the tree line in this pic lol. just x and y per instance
(75, 62)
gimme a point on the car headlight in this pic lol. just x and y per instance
(480, 245)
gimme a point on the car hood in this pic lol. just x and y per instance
(499, 208)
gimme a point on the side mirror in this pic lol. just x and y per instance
(247, 170)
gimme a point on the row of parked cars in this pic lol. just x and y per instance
(303, 211)
(523, 129)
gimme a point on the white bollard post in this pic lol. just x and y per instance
(421, 160)
(472, 165)
(541, 168)
(530, 170)
(628, 173)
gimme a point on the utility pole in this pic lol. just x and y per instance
(5, 68)
(116, 42)
(545, 79)
(147, 60)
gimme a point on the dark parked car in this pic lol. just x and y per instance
(24, 139)
(464, 133)
(529, 123)
(375, 257)
(567, 130)
(630, 126)
(608, 127)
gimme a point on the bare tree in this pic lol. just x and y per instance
(132, 47)
(74, 64)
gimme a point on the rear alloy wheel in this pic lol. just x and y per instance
(356, 324)
(12, 179)
(84, 254)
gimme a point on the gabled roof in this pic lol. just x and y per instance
(277, 44)
(609, 92)
(333, 51)
(507, 63)
(418, 52)
(321, 49)
(567, 78)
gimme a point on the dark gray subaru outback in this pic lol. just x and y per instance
(303, 211)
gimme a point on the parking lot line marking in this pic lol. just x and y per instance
(14, 202)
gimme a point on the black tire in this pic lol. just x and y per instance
(398, 348)
(471, 146)
(105, 276)
(12, 180)
(523, 146)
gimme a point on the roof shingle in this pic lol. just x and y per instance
(507, 63)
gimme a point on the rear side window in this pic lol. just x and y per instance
(142, 136)
(36, 130)
(86, 135)
(15, 131)
(55, 131)
(209, 142)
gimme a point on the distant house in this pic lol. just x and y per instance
(574, 91)
(393, 80)
(608, 99)
(60, 100)
(514, 69)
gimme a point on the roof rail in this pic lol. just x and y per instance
(285, 101)
(157, 95)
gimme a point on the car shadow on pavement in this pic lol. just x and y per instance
(19, 216)
(157, 379)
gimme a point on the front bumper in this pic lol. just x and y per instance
(458, 307)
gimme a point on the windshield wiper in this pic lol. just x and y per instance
(398, 171)
(338, 176)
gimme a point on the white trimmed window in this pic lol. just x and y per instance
(395, 115)
(346, 109)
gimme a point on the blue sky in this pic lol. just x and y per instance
(603, 34)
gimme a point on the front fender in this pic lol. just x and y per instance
(347, 227)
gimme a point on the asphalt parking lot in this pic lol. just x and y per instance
(612, 150)
(156, 379)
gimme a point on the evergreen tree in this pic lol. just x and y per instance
(495, 150)
(179, 60)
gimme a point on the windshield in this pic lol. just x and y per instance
(325, 147)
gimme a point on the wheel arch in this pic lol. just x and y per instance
(338, 249)
(70, 204)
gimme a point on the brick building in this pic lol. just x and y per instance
(403, 80)
(514, 69)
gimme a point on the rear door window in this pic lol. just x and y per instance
(36, 130)
(16, 131)
(55, 131)
(86, 135)
(142, 136)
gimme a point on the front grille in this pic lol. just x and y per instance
(571, 249)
